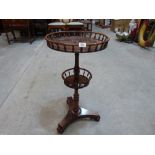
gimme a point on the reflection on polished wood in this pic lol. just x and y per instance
(75, 115)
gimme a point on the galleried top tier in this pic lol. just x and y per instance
(77, 41)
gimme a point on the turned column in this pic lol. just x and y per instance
(76, 81)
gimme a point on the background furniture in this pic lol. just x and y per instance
(103, 23)
(40, 26)
(31, 28)
(87, 24)
(57, 26)
(76, 78)
(1, 27)
(22, 25)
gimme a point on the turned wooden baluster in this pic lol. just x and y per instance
(76, 81)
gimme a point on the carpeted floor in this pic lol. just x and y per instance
(33, 96)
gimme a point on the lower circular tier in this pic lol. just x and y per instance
(82, 80)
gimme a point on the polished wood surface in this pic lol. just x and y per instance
(76, 112)
(76, 78)
(68, 41)
(73, 115)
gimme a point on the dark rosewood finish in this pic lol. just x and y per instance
(76, 78)
(75, 111)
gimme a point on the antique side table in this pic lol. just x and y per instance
(76, 78)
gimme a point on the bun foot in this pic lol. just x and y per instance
(60, 129)
(97, 118)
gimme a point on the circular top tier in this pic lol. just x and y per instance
(68, 41)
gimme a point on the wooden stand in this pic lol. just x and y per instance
(75, 112)
(76, 78)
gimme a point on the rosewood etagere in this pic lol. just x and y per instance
(76, 78)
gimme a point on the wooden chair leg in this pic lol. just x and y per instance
(29, 36)
(7, 38)
(33, 33)
(13, 33)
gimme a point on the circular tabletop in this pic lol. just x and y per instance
(77, 41)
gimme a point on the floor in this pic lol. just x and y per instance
(33, 96)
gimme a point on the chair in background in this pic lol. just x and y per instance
(23, 25)
(88, 23)
(61, 26)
